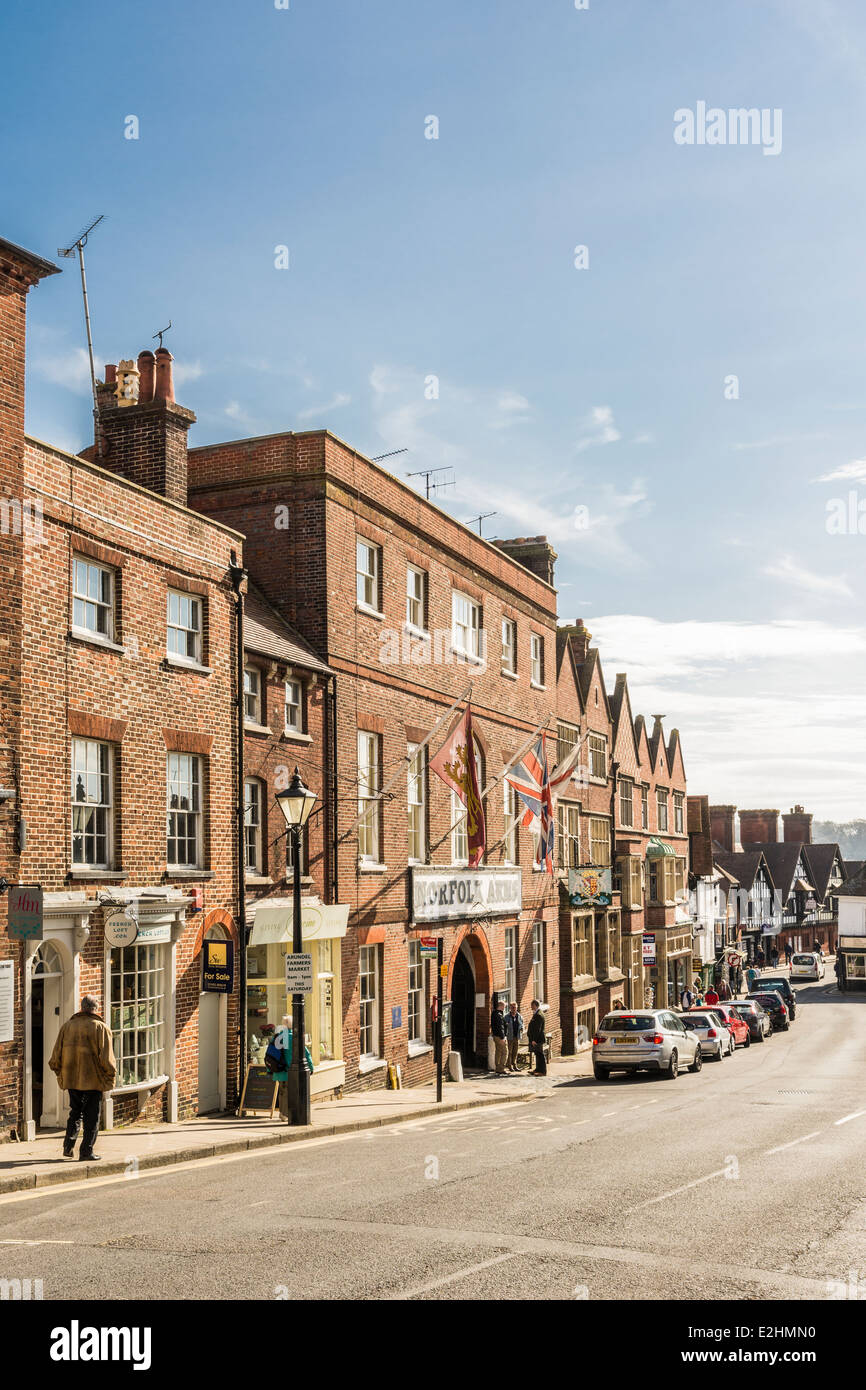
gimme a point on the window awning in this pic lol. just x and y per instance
(273, 921)
(658, 849)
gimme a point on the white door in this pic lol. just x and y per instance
(47, 993)
(208, 1052)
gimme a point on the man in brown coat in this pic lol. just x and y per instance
(84, 1064)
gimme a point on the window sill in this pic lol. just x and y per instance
(135, 1086)
(177, 664)
(195, 875)
(101, 875)
(78, 634)
(370, 612)
(420, 632)
(367, 866)
(257, 880)
(470, 658)
(598, 781)
(371, 1064)
(295, 736)
(251, 727)
(508, 675)
(537, 685)
(419, 1049)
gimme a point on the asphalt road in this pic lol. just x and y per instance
(745, 1181)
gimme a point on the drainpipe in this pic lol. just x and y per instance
(237, 574)
(331, 713)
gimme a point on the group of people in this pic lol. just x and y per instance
(507, 1029)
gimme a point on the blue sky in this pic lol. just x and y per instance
(706, 569)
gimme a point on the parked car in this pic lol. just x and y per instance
(647, 1040)
(807, 965)
(782, 985)
(773, 1003)
(715, 1038)
(755, 1017)
(738, 1029)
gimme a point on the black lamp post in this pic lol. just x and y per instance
(296, 802)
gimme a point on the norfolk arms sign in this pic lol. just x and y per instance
(447, 894)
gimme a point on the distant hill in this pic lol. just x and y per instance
(850, 836)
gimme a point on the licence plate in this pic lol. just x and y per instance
(623, 1041)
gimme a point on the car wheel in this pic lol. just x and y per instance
(672, 1070)
(761, 1034)
(732, 1047)
(718, 1054)
(699, 1061)
(601, 1073)
(747, 1041)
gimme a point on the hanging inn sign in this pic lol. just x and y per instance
(447, 894)
(590, 887)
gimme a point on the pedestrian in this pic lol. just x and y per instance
(724, 989)
(711, 997)
(774, 957)
(686, 999)
(84, 1063)
(751, 977)
(789, 951)
(500, 1041)
(839, 967)
(513, 1033)
(738, 981)
(537, 1037)
(818, 949)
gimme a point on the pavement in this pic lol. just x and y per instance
(134, 1149)
(742, 1182)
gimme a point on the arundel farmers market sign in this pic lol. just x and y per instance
(445, 894)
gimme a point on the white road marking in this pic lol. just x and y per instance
(37, 1242)
(451, 1278)
(260, 1204)
(609, 1112)
(790, 1145)
(676, 1191)
(845, 1118)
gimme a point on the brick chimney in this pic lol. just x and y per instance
(722, 821)
(797, 826)
(579, 636)
(759, 828)
(535, 553)
(144, 430)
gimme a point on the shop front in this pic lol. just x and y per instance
(672, 968)
(267, 1003)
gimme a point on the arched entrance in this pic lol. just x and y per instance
(212, 1025)
(47, 980)
(463, 1007)
(469, 987)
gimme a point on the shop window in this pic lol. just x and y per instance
(538, 961)
(613, 941)
(92, 810)
(369, 767)
(416, 778)
(268, 1004)
(417, 1001)
(582, 943)
(253, 814)
(368, 575)
(584, 1029)
(184, 627)
(599, 842)
(92, 598)
(137, 992)
(252, 695)
(368, 984)
(511, 964)
(184, 810)
(327, 980)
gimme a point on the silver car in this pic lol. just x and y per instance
(715, 1037)
(644, 1040)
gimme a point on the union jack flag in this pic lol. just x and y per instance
(531, 780)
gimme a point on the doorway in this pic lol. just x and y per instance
(212, 1011)
(463, 1009)
(46, 1002)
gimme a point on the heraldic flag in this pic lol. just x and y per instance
(458, 770)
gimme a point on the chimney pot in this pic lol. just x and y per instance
(164, 389)
(111, 374)
(146, 376)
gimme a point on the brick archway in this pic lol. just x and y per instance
(476, 939)
(216, 917)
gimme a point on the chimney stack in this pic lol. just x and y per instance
(759, 828)
(722, 819)
(578, 635)
(535, 553)
(797, 826)
(144, 430)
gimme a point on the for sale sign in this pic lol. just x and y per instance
(25, 913)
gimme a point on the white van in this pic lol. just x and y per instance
(807, 965)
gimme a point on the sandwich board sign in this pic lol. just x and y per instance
(25, 913)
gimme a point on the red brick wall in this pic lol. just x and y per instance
(759, 827)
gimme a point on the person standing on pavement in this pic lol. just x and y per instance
(686, 999)
(500, 1041)
(724, 989)
(751, 977)
(537, 1036)
(513, 1033)
(84, 1063)
(711, 997)
(789, 951)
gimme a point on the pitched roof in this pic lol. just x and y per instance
(781, 857)
(742, 866)
(268, 634)
(821, 859)
(853, 867)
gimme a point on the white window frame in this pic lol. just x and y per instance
(511, 819)
(511, 964)
(184, 770)
(538, 961)
(369, 782)
(416, 797)
(416, 598)
(467, 626)
(143, 968)
(416, 1006)
(254, 805)
(536, 660)
(368, 1002)
(626, 802)
(644, 808)
(509, 646)
(92, 760)
(252, 695)
(87, 604)
(459, 832)
(679, 813)
(368, 576)
(662, 809)
(290, 704)
(191, 608)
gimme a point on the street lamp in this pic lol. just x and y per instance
(296, 802)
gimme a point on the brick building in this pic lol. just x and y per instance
(413, 613)
(121, 745)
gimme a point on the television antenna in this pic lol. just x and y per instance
(379, 457)
(479, 519)
(431, 482)
(67, 251)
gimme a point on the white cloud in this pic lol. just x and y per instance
(340, 399)
(854, 472)
(186, 371)
(777, 440)
(599, 428)
(829, 585)
(70, 369)
(235, 412)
